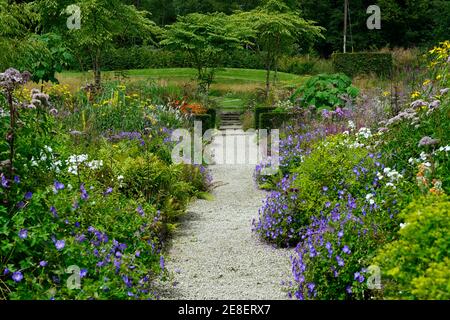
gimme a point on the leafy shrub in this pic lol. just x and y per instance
(258, 111)
(273, 120)
(414, 265)
(326, 91)
(361, 63)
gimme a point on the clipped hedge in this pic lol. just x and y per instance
(213, 114)
(360, 63)
(260, 110)
(273, 120)
(206, 120)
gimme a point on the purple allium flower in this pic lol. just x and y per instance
(23, 234)
(84, 194)
(57, 186)
(346, 250)
(427, 141)
(17, 276)
(161, 262)
(60, 244)
(16, 179)
(28, 195)
(83, 273)
(43, 263)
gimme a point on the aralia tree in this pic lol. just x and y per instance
(205, 38)
(276, 28)
(103, 24)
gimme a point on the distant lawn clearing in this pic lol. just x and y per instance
(227, 79)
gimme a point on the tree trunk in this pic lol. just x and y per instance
(97, 72)
(268, 67)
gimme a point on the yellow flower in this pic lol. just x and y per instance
(386, 93)
(438, 77)
(426, 82)
(415, 94)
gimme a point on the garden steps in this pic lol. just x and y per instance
(230, 121)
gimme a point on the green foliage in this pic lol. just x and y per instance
(275, 29)
(103, 206)
(326, 91)
(260, 110)
(273, 120)
(363, 63)
(416, 265)
(204, 38)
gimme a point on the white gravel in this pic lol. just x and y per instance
(215, 254)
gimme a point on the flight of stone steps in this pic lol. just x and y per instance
(230, 121)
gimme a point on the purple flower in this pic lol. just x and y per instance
(28, 195)
(127, 281)
(17, 276)
(4, 181)
(20, 205)
(346, 250)
(80, 238)
(359, 277)
(23, 234)
(340, 261)
(83, 273)
(5, 271)
(84, 194)
(349, 289)
(17, 179)
(57, 186)
(43, 263)
(60, 244)
(53, 211)
(140, 210)
(108, 191)
(161, 262)
(137, 254)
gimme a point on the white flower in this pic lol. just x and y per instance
(95, 164)
(369, 196)
(69, 187)
(371, 201)
(365, 132)
(49, 149)
(351, 124)
(390, 184)
(120, 178)
(402, 225)
(423, 156)
(427, 164)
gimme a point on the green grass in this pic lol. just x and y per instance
(228, 79)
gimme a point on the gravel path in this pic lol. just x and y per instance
(215, 255)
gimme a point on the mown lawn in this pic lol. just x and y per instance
(227, 79)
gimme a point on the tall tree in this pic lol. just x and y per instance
(276, 27)
(205, 38)
(103, 23)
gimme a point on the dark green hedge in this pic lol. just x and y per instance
(206, 120)
(273, 120)
(260, 110)
(361, 63)
(213, 114)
